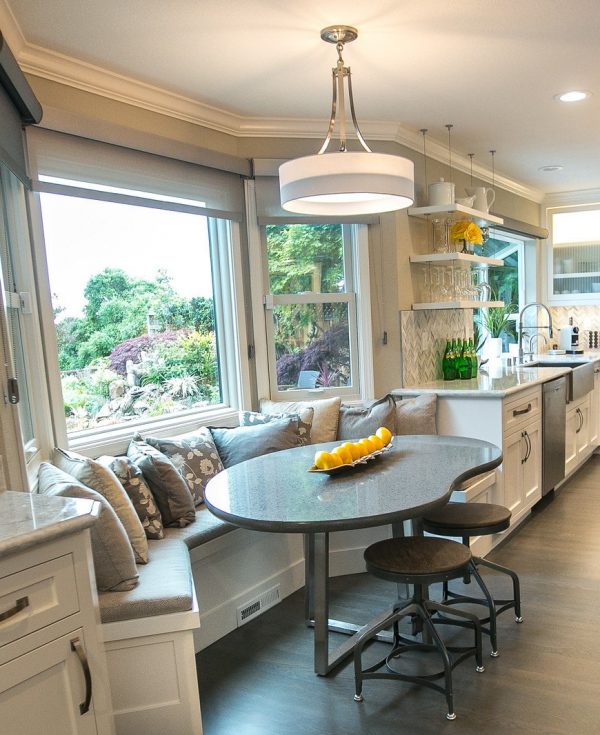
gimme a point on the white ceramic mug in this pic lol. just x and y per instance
(484, 198)
(440, 193)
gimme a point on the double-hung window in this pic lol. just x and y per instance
(142, 258)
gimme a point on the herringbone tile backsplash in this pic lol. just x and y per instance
(424, 335)
(587, 318)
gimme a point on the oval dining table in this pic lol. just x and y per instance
(276, 493)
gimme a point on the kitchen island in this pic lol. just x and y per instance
(503, 405)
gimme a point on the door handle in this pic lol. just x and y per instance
(524, 459)
(521, 411)
(81, 655)
(580, 414)
(528, 440)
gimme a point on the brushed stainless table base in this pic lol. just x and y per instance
(316, 605)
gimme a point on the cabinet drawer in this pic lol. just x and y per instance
(522, 410)
(35, 597)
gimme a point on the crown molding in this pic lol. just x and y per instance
(572, 198)
(72, 72)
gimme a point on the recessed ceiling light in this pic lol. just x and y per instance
(573, 96)
(554, 167)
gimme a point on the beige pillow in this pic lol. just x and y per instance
(104, 481)
(417, 415)
(114, 563)
(325, 418)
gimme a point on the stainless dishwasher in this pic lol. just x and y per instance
(554, 410)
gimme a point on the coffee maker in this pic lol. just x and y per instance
(569, 339)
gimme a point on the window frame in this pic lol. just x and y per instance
(356, 259)
(228, 294)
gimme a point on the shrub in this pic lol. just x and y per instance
(329, 354)
(131, 349)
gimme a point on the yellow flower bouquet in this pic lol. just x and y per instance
(467, 231)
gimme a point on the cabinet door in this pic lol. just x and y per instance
(514, 452)
(41, 692)
(572, 424)
(532, 466)
(582, 433)
(595, 410)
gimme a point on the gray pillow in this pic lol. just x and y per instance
(417, 415)
(357, 422)
(139, 493)
(304, 417)
(245, 442)
(195, 457)
(114, 563)
(168, 487)
(104, 481)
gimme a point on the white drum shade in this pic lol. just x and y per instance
(346, 183)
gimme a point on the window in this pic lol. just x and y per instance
(134, 289)
(311, 308)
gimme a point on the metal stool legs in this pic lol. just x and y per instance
(505, 604)
(423, 609)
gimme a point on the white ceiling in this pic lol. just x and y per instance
(490, 67)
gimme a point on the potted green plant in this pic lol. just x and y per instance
(497, 321)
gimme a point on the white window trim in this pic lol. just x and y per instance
(232, 343)
(362, 344)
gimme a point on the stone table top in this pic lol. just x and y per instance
(28, 519)
(275, 492)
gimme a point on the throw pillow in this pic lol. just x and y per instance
(417, 415)
(195, 457)
(357, 422)
(304, 418)
(168, 487)
(103, 481)
(325, 419)
(245, 442)
(139, 493)
(114, 563)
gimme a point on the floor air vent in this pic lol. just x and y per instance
(259, 604)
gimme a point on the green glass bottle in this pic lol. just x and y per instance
(448, 363)
(473, 355)
(463, 362)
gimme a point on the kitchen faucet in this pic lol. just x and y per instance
(523, 310)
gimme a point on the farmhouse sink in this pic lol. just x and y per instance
(579, 381)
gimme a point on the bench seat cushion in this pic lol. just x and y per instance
(165, 584)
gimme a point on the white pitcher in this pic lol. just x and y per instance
(484, 198)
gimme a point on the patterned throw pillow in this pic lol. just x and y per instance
(101, 479)
(168, 487)
(195, 457)
(139, 493)
(304, 417)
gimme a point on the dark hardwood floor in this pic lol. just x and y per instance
(546, 681)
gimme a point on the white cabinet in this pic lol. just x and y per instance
(53, 677)
(595, 409)
(522, 466)
(578, 433)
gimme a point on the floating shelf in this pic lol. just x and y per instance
(449, 257)
(458, 305)
(455, 209)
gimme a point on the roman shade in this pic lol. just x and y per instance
(72, 158)
(18, 107)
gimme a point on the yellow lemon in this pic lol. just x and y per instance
(384, 434)
(359, 449)
(367, 445)
(376, 441)
(354, 450)
(343, 453)
(326, 461)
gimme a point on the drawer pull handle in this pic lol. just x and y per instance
(20, 604)
(78, 648)
(520, 412)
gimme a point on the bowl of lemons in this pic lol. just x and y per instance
(350, 454)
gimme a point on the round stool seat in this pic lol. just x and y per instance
(417, 560)
(467, 519)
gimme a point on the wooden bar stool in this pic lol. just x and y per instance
(476, 519)
(418, 561)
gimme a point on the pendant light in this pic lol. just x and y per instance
(345, 182)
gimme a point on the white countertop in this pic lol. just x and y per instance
(505, 381)
(28, 519)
